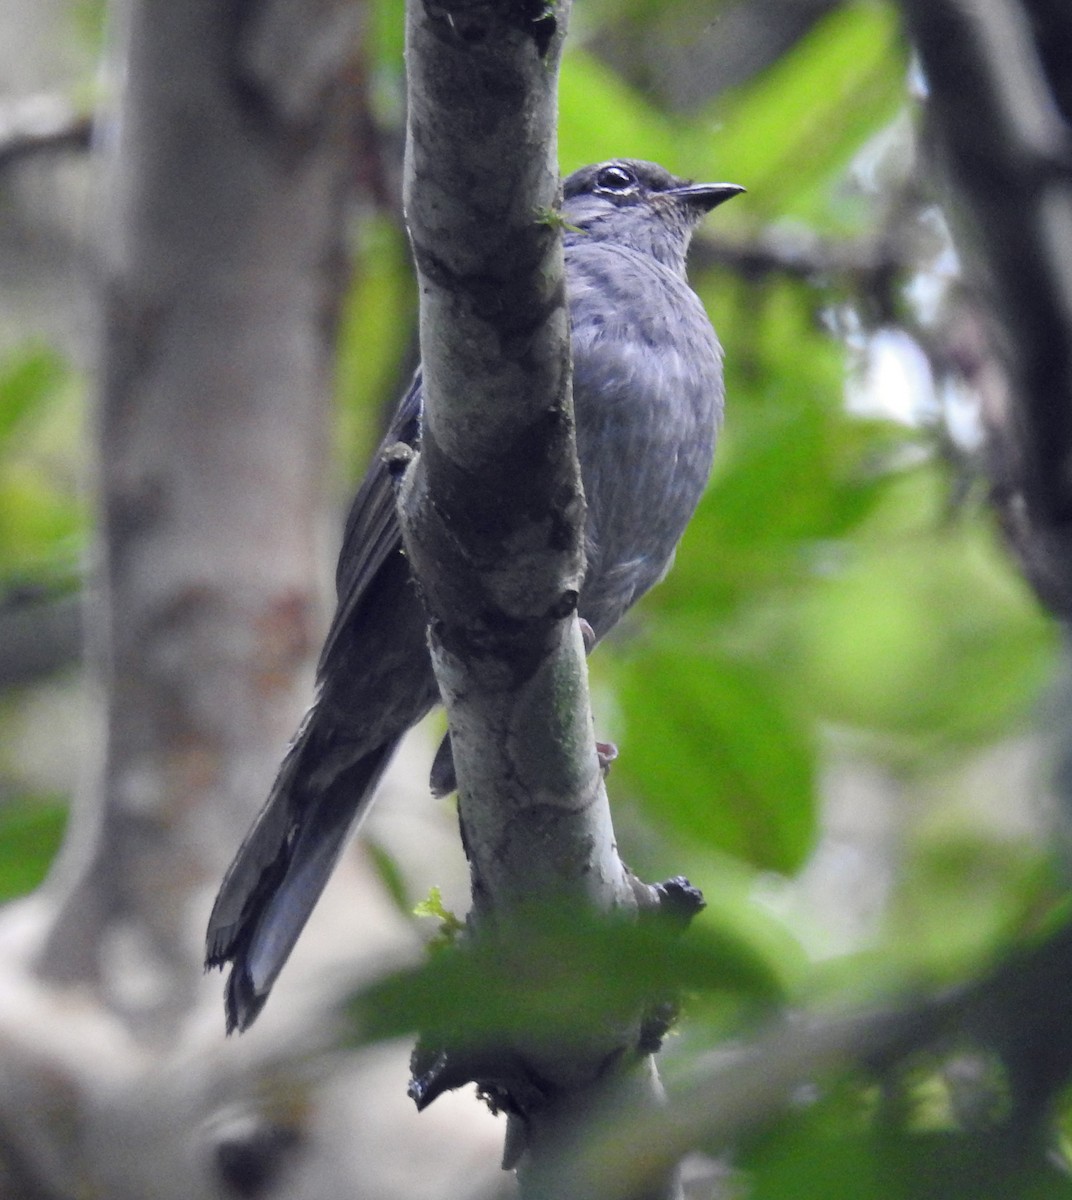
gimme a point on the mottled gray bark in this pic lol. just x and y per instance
(219, 271)
(39, 125)
(493, 508)
(219, 253)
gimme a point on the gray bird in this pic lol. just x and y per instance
(648, 397)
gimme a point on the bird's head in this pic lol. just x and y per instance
(640, 204)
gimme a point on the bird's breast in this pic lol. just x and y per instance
(648, 401)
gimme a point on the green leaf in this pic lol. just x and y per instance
(389, 874)
(376, 327)
(42, 515)
(40, 526)
(388, 30)
(29, 379)
(30, 833)
(786, 135)
(717, 754)
(600, 117)
(451, 927)
(941, 1166)
(789, 134)
(963, 893)
(559, 977)
(929, 636)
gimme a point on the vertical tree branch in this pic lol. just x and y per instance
(493, 510)
(1008, 156)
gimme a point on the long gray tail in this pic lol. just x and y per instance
(276, 878)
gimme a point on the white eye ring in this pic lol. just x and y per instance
(616, 179)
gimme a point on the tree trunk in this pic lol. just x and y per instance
(220, 269)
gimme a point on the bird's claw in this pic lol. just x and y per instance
(588, 634)
(606, 752)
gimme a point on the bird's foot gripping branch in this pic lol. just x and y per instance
(552, 991)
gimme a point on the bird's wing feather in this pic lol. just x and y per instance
(372, 531)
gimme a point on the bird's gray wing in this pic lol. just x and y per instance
(372, 532)
(331, 769)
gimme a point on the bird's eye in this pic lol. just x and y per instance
(616, 179)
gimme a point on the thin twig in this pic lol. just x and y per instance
(39, 124)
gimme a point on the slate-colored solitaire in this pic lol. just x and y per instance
(647, 387)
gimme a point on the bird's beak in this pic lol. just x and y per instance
(707, 196)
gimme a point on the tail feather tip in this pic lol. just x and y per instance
(242, 1001)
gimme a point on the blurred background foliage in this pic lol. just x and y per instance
(834, 716)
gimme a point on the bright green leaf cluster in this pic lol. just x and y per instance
(30, 833)
(42, 519)
(565, 973)
(787, 135)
